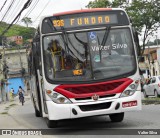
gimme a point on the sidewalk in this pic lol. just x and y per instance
(7, 120)
(5, 106)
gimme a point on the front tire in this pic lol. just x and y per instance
(145, 95)
(51, 123)
(37, 113)
(118, 117)
(156, 93)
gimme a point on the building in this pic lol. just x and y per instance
(150, 63)
(16, 73)
(17, 39)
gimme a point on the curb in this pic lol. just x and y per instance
(149, 101)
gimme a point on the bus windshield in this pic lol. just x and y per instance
(89, 55)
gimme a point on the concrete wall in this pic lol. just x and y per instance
(15, 83)
(15, 60)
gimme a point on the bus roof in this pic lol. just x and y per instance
(86, 10)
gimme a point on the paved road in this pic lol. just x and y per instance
(23, 117)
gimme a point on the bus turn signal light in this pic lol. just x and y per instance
(48, 91)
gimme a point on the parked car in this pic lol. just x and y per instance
(152, 87)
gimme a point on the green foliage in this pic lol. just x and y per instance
(99, 4)
(25, 32)
(106, 3)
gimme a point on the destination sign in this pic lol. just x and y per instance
(85, 21)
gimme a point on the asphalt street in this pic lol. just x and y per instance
(22, 117)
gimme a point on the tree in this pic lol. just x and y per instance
(145, 17)
(0, 40)
(145, 14)
(27, 21)
(27, 33)
(107, 3)
(99, 4)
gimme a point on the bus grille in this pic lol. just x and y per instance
(94, 88)
(89, 98)
(94, 107)
(102, 89)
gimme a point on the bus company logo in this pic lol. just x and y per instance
(95, 97)
(6, 132)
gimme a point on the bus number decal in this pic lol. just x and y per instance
(58, 23)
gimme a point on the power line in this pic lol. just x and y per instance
(3, 5)
(31, 9)
(42, 11)
(14, 10)
(11, 4)
(26, 5)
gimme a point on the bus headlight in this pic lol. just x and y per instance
(130, 90)
(127, 93)
(57, 97)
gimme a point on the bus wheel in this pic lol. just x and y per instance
(51, 123)
(37, 113)
(118, 117)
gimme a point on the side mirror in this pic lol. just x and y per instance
(136, 40)
(0, 56)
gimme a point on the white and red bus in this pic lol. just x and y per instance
(84, 63)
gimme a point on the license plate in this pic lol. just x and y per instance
(129, 104)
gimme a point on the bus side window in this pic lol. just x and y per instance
(136, 40)
(37, 56)
(57, 55)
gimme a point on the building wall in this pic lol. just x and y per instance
(15, 83)
(17, 39)
(16, 60)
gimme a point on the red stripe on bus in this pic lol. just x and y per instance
(100, 88)
(81, 11)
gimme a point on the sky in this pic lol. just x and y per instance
(42, 8)
(39, 8)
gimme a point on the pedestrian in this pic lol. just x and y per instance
(12, 93)
(21, 93)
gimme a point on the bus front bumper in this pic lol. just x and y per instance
(75, 110)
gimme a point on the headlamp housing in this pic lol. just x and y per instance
(130, 90)
(57, 97)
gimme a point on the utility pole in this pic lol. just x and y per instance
(1, 70)
(3, 74)
(156, 40)
(21, 64)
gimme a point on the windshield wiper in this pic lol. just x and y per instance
(81, 55)
(67, 49)
(84, 45)
(106, 34)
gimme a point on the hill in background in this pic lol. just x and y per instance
(17, 30)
